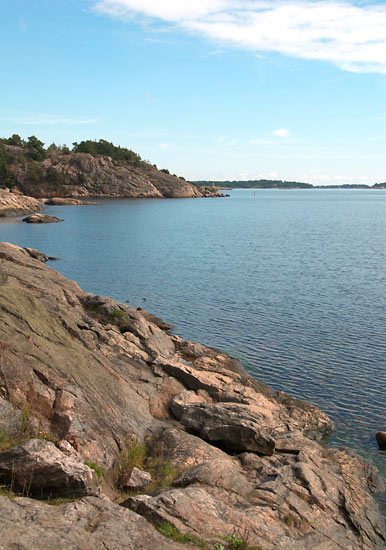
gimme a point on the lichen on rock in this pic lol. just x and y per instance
(246, 460)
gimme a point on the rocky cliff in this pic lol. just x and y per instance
(82, 175)
(93, 391)
(12, 204)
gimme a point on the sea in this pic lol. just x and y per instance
(292, 282)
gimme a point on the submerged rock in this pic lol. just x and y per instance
(381, 440)
(41, 218)
(64, 201)
(39, 255)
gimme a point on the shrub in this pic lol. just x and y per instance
(118, 314)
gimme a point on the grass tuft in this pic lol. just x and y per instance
(168, 530)
(96, 469)
(118, 314)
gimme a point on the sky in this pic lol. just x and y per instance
(210, 89)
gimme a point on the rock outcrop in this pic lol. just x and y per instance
(106, 382)
(381, 440)
(87, 524)
(39, 468)
(13, 204)
(85, 175)
(41, 218)
(62, 201)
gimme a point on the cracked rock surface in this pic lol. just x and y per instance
(248, 461)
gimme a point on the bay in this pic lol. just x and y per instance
(290, 281)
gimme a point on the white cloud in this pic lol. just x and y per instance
(258, 141)
(164, 145)
(282, 133)
(46, 120)
(336, 179)
(273, 175)
(345, 33)
(215, 52)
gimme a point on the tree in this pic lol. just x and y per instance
(36, 149)
(16, 140)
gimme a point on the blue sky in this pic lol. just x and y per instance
(215, 89)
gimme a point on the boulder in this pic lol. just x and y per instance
(11, 419)
(381, 440)
(41, 218)
(136, 479)
(234, 427)
(39, 468)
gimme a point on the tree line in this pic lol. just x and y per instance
(33, 151)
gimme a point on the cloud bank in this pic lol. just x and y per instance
(351, 35)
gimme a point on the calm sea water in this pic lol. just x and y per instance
(292, 282)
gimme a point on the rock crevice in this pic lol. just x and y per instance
(98, 378)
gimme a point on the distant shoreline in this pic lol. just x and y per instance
(280, 184)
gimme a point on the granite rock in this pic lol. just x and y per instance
(96, 374)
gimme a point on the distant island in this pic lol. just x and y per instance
(280, 184)
(90, 169)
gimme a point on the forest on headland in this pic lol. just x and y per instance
(27, 164)
(280, 184)
(89, 168)
(33, 151)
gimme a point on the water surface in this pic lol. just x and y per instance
(290, 281)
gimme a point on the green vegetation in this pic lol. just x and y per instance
(118, 314)
(133, 456)
(35, 149)
(255, 184)
(105, 148)
(7, 441)
(16, 152)
(280, 184)
(6, 491)
(239, 543)
(171, 532)
(25, 416)
(6, 173)
(144, 457)
(96, 469)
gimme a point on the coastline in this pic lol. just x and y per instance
(185, 397)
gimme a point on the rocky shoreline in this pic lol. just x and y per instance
(13, 204)
(93, 391)
(84, 175)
